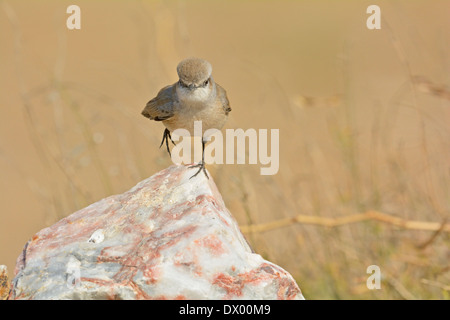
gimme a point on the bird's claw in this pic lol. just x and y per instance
(166, 137)
(201, 167)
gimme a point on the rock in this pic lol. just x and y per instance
(4, 283)
(169, 237)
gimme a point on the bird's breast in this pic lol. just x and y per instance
(186, 113)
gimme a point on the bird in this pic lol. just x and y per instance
(194, 97)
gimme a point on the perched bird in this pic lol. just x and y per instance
(194, 97)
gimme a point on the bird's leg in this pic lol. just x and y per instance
(166, 137)
(170, 137)
(201, 165)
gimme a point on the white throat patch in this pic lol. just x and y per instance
(198, 94)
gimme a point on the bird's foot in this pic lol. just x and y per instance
(201, 167)
(166, 137)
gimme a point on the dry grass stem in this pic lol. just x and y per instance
(335, 222)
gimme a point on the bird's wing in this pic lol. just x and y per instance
(161, 107)
(222, 96)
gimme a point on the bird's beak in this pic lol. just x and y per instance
(192, 86)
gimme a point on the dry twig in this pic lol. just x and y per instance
(334, 222)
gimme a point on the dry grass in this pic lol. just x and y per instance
(370, 145)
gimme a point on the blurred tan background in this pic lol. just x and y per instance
(364, 119)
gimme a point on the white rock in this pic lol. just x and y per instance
(169, 237)
(97, 237)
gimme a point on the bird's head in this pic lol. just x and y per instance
(195, 81)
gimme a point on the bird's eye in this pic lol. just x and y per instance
(206, 83)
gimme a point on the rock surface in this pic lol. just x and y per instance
(169, 237)
(4, 283)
